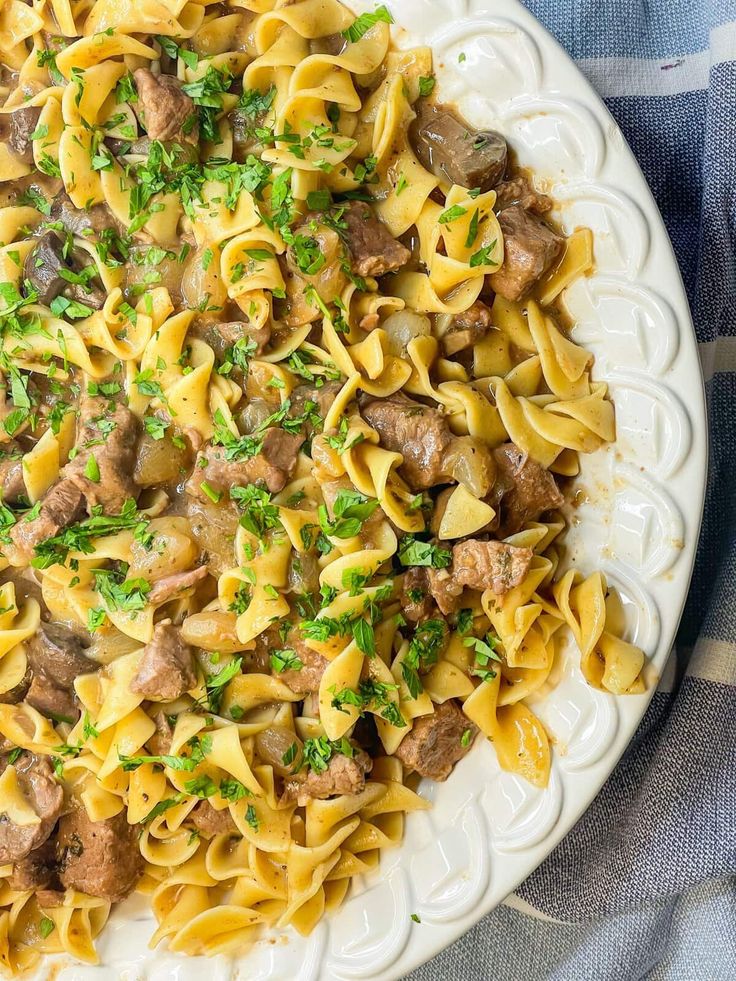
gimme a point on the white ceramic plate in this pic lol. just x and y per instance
(489, 830)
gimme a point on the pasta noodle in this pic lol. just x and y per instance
(287, 420)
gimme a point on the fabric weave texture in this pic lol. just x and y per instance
(644, 887)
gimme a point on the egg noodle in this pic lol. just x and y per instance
(197, 404)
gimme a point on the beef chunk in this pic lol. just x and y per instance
(344, 775)
(160, 742)
(56, 658)
(16, 694)
(490, 565)
(37, 870)
(46, 267)
(50, 898)
(171, 587)
(467, 329)
(528, 489)
(239, 330)
(455, 152)
(435, 743)
(211, 822)
(306, 679)
(53, 701)
(445, 590)
(374, 250)
(43, 267)
(272, 467)
(163, 108)
(416, 599)
(418, 432)
(111, 438)
(81, 221)
(167, 667)
(16, 129)
(61, 507)
(311, 400)
(57, 652)
(12, 485)
(258, 661)
(46, 797)
(222, 338)
(530, 248)
(519, 191)
(100, 858)
(23, 123)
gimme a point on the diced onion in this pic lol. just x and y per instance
(402, 327)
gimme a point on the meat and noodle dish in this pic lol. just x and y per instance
(289, 420)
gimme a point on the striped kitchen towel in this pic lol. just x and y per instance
(645, 885)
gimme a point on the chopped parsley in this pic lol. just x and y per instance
(216, 683)
(119, 593)
(202, 786)
(88, 730)
(47, 59)
(259, 514)
(415, 552)
(452, 214)
(172, 49)
(206, 93)
(361, 25)
(80, 536)
(351, 509)
(464, 621)
(424, 651)
(364, 636)
(286, 660)
(473, 229)
(163, 806)
(483, 256)
(155, 427)
(251, 817)
(318, 752)
(426, 85)
(254, 103)
(233, 790)
(485, 652)
(92, 469)
(199, 748)
(371, 695)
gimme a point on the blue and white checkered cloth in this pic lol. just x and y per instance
(645, 885)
